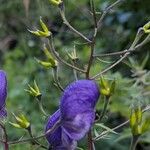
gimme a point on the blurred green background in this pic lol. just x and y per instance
(18, 49)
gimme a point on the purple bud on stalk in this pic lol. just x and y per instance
(3, 93)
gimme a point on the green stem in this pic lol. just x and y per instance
(74, 71)
(106, 102)
(51, 130)
(65, 21)
(34, 141)
(56, 79)
(52, 48)
(137, 38)
(134, 142)
(42, 109)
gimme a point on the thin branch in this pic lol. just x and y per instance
(65, 21)
(56, 79)
(111, 66)
(119, 126)
(74, 71)
(90, 140)
(146, 40)
(106, 11)
(52, 48)
(92, 44)
(6, 145)
(35, 141)
(113, 129)
(131, 49)
(56, 125)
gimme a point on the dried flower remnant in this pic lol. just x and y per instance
(3, 93)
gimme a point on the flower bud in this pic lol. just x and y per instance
(107, 89)
(44, 33)
(45, 64)
(34, 91)
(49, 57)
(55, 2)
(73, 55)
(136, 120)
(146, 27)
(21, 122)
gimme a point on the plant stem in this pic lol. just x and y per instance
(134, 142)
(128, 52)
(106, 102)
(65, 21)
(56, 125)
(52, 48)
(90, 140)
(6, 145)
(42, 109)
(56, 79)
(34, 141)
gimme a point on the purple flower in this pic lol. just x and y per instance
(77, 107)
(3, 93)
(76, 113)
(58, 139)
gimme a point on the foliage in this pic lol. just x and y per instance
(117, 33)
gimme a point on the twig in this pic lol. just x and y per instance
(106, 11)
(92, 44)
(65, 21)
(52, 48)
(111, 66)
(5, 142)
(106, 103)
(74, 71)
(90, 140)
(56, 79)
(34, 141)
(119, 126)
(125, 55)
(57, 124)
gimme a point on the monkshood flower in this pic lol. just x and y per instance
(76, 114)
(58, 139)
(3, 93)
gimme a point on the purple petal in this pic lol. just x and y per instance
(3, 92)
(78, 97)
(55, 138)
(77, 108)
(79, 125)
(59, 140)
